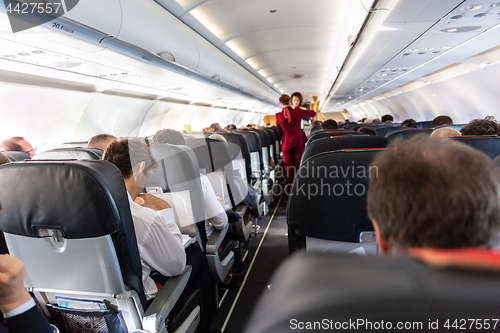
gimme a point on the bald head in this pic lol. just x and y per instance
(17, 143)
(445, 132)
(101, 141)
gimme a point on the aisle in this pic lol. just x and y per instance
(272, 251)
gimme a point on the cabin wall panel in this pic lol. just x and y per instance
(44, 116)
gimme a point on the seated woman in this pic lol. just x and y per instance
(158, 237)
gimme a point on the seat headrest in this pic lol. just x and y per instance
(16, 156)
(70, 153)
(253, 141)
(212, 155)
(409, 132)
(44, 194)
(326, 134)
(490, 145)
(237, 143)
(264, 138)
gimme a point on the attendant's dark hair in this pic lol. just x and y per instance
(169, 136)
(435, 193)
(486, 126)
(284, 99)
(299, 96)
(127, 153)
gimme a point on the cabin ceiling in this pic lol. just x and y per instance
(292, 45)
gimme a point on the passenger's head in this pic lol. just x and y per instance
(17, 143)
(219, 137)
(231, 127)
(169, 136)
(376, 120)
(445, 132)
(296, 99)
(284, 100)
(441, 120)
(486, 126)
(316, 123)
(101, 141)
(329, 124)
(215, 127)
(408, 122)
(387, 117)
(434, 193)
(4, 159)
(133, 158)
(367, 130)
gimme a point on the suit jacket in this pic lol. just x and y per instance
(30, 321)
(291, 132)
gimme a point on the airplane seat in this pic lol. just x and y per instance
(353, 127)
(408, 133)
(326, 210)
(361, 293)
(343, 142)
(314, 130)
(267, 181)
(277, 137)
(70, 153)
(488, 144)
(272, 143)
(422, 125)
(241, 161)
(326, 134)
(80, 251)
(384, 131)
(255, 147)
(17, 156)
(177, 181)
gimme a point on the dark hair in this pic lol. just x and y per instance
(367, 130)
(4, 159)
(316, 123)
(441, 120)
(387, 117)
(408, 122)
(215, 127)
(435, 193)
(127, 153)
(170, 136)
(231, 127)
(284, 99)
(299, 96)
(10, 145)
(486, 126)
(329, 124)
(99, 139)
(376, 120)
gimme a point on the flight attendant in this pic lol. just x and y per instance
(288, 123)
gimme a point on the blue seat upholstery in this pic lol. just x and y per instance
(490, 145)
(408, 133)
(326, 134)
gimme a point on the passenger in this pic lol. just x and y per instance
(329, 124)
(214, 209)
(315, 126)
(376, 121)
(4, 159)
(445, 132)
(486, 126)
(288, 124)
(101, 141)
(17, 143)
(441, 120)
(367, 130)
(408, 122)
(432, 193)
(19, 310)
(231, 127)
(215, 127)
(158, 237)
(387, 119)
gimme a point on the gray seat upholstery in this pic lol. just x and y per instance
(311, 287)
(70, 222)
(70, 153)
(16, 156)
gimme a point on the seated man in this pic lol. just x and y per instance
(329, 125)
(158, 237)
(216, 216)
(17, 143)
(445, 132)
(433, 193)
(101, 141)
(387, 119)
(486, 126)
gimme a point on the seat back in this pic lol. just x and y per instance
(272, 143)
(343, 142)
(327, 206)
(277, 137)
(240, 154)
(70, 153)
(422, 124)
(386, 130)
(326, 134)
(408, 133)
(488, 144)
(255, 147)
(389, 289)
(16, 156)
(70, 223)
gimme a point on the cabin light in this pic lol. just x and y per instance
(457, 17)
(251, 63)
(385, 28)
(384, 74)
(494, 6)
(261, 72)
(470, 8)
(361, 89)
(452, 30)
(232, 45)
(205, 20)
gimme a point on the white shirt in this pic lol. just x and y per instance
(160, 244)
(215, 215)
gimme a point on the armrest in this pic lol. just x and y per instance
(215, 240)
(156, 314)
